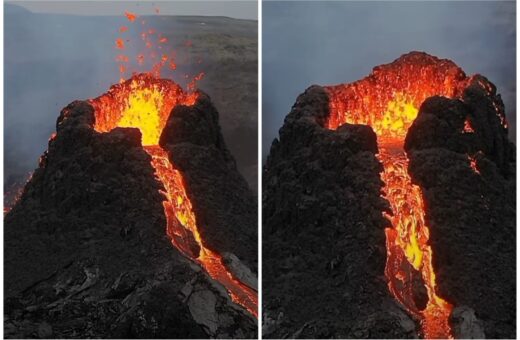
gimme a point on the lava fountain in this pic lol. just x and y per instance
(388, 100)
(145, 102)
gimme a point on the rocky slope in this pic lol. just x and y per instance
(86, 252)
(220, 196)
(323, 232)
(471, 211)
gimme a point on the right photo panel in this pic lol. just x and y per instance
(389, 169)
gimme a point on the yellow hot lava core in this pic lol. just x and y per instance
(142, 112)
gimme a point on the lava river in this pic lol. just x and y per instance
(388, 101)
(407, 241)
(145, 102)
(408, 252)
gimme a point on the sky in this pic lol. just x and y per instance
(325, 43)
(235, 9)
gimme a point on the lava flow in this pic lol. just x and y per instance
(145, 102)
(388, 101)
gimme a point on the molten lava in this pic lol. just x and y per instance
(406, 242)
(388, 101)
(473, 164)
(467, 127)
(145, 102)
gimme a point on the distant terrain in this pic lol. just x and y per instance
(51, 60)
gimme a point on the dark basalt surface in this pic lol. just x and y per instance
(86, 252)
(471, 215)
(224, 204)
(323, 232)
(324, 244)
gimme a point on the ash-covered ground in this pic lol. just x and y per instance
(52, 59)
(86, 251)
(324, 243)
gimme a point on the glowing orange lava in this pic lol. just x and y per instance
(154, 51)
(467, 127)
(130, 16)
(145, 102)
(388, 101)
(13, 194)
(407, 241)
(473, 164)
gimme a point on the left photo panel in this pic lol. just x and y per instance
(130, 169)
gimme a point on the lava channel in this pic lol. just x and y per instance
(145, 102)
(388, 101)
(406, 242)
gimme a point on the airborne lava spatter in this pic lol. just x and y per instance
(145, 102)
(388, 100)
(155, 54)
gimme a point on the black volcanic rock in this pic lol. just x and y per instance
(324, 249)
(86, 252)
(323, 232)
(471, 215)
(224, 204)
